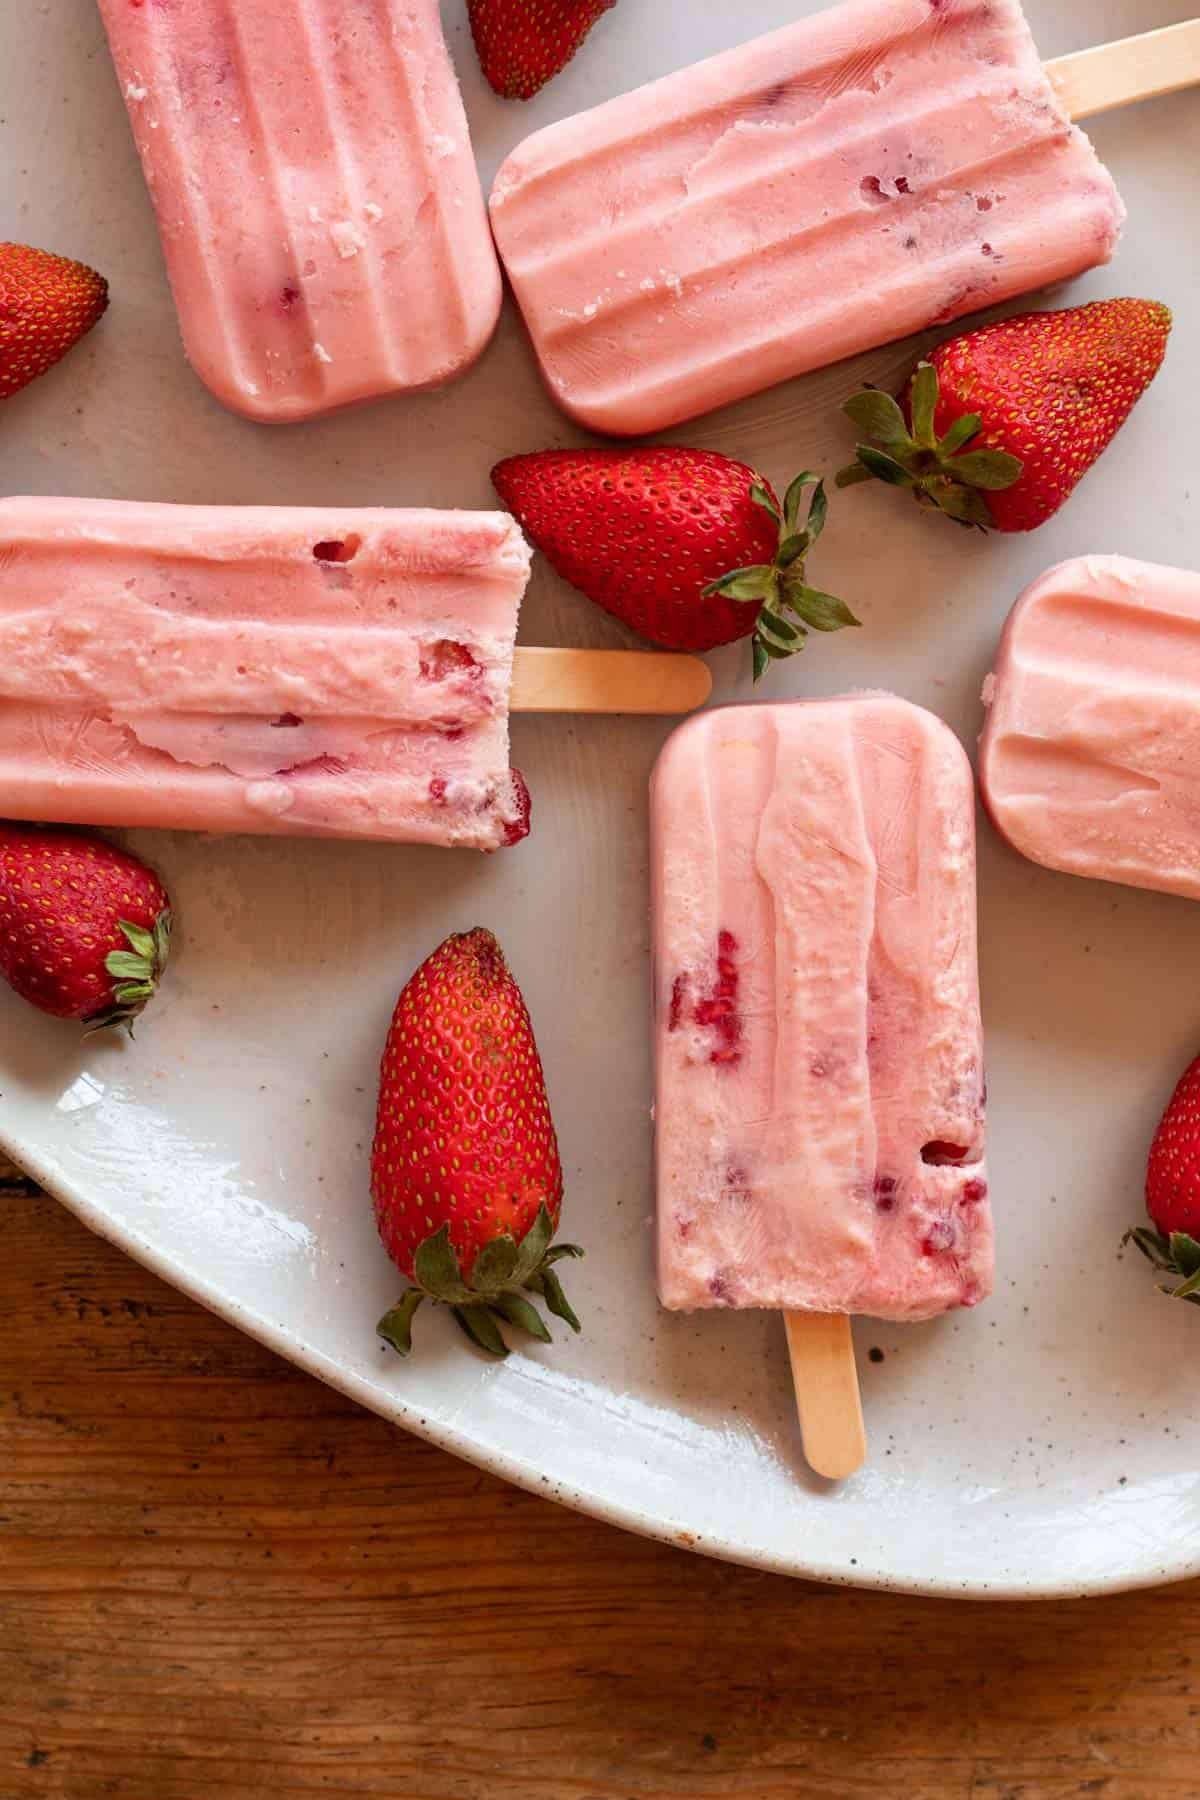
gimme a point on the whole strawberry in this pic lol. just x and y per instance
(1000, 424)
(523, 44)
(1173, 1192)
(465, 1172)
(688, 548)
(46, 305)
(85, 928)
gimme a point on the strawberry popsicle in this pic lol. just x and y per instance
(246, 669)
(820, 1085)
(878, 168)
(1090, 755)
(317, 196)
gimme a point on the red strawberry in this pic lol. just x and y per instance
(46, 305)
(519, 829)
(1173, 1192)
(1000, 424)
(85, 928)
(523, 44)
(687, 547)
(465, 1172)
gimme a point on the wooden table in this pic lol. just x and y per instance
(219, 1579)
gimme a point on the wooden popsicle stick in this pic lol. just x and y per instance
(827, 1397)
(1135, 68)
(608, 681)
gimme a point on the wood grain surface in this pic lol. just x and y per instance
(219, 1579)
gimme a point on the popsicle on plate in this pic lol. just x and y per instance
(1090, 754)
(292, 670)
(878, 168)
(820, 1081)
(282, 670)
(317, 197)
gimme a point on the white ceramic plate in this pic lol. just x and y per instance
(1042, 1445)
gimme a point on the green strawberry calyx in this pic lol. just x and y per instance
(1175, 1254)
(790, 609)
(136, 973)
(505, 1275)
(939, 472)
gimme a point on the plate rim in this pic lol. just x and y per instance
(42, 1169)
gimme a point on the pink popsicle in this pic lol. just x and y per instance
(820, 1084)
(1090, 756)
(881, 167)
(317, 196)
(243, 669)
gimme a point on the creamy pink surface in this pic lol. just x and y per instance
(881, 167)
(1090, 755)
(820, 1082)
(317, 196)
(295, 671)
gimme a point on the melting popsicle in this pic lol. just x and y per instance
(287, 670)
(820, 1082)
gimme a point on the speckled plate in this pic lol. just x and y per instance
(1044, 1444)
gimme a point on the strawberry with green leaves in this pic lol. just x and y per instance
(85, 928)
(47, 304)
(999, 425)
(465, 1171)
(523, 44)
(1173, 1192)
(688, 548)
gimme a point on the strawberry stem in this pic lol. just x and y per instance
(907, 453)
(789, 608)
(1177, 1254)
(505, 1273)
(136, 974)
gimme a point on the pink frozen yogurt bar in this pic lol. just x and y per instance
(320, 211)
(881, 167)
(243, 669)
(1090, 755)
(820, 1081)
